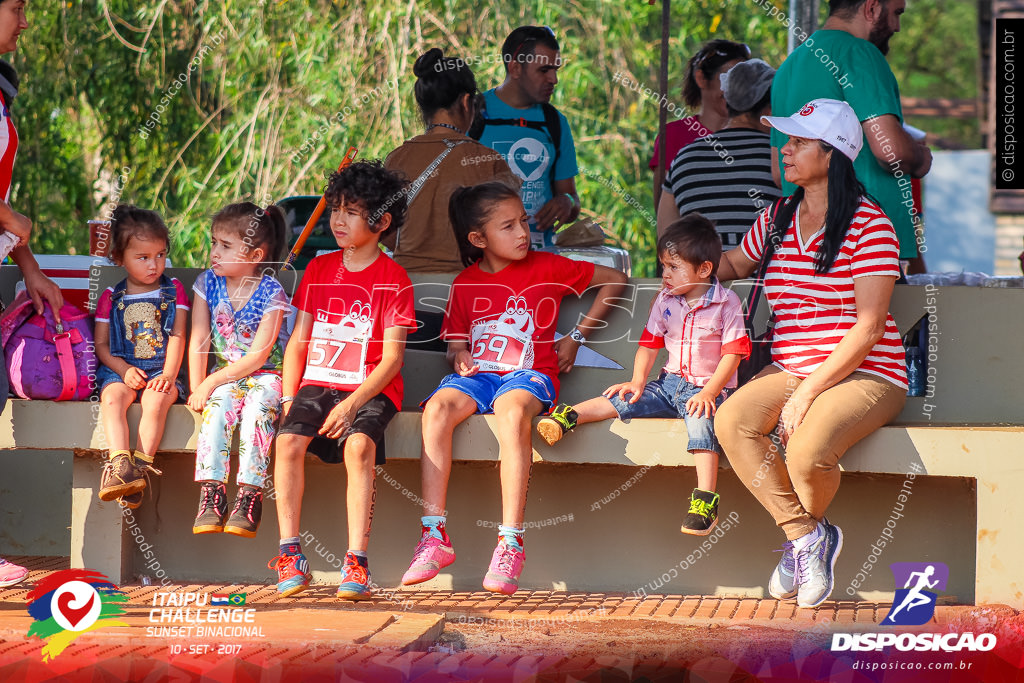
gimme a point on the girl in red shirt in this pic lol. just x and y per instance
(500, 327)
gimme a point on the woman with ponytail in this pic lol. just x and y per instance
(438, 161)
(838, 370)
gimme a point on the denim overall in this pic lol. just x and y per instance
(121, 346)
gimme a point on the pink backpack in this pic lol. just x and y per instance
(46, 361)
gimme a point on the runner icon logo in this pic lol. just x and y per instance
(914, 603)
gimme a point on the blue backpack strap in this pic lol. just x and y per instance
(168, 299)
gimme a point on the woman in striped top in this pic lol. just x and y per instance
(838, 370)
(727, 176)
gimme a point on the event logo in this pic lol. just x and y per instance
(807, 110)
(914, 604)
(69, 603)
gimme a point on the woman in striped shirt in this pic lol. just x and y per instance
(838, 370)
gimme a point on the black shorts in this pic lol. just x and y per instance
(309, 412)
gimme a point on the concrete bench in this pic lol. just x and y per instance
(627, 475)
(935, 486)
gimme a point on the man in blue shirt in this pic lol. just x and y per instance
(519, 122)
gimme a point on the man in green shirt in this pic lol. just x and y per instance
(845, 60)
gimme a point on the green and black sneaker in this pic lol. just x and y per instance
(561, 420)
(703, 513)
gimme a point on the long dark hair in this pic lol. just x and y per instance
(468, 210)
(844, 194)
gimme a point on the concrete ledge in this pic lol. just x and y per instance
(102, 537)
(946, 450)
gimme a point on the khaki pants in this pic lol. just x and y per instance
(798, 490)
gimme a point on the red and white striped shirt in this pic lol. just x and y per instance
(8, 149)
(814, 311)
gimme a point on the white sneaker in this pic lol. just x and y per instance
(782, 585)
(815, 565)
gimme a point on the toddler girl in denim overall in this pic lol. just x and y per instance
(140, 340)
(239, 309)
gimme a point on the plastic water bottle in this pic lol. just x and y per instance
(915, 372)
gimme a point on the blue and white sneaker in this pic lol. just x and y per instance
(292, 573)
(782, 585)
(815, 565)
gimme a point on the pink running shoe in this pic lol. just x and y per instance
(432, 554)
(10, 573)
(506, 566)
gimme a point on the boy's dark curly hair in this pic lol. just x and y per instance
(377, 190)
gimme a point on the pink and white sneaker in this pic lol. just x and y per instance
(432, 554)
(506, 566)
(10, 573)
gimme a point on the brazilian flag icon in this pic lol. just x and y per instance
(236, 599)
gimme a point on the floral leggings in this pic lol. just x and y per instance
(256, 402)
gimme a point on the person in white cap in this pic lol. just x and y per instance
(845, 60)
(727, 176)
(837, 371)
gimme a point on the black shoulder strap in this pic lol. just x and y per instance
(552, 125)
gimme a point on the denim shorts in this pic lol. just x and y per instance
(667, 397)
(485, 387)
(105, 377)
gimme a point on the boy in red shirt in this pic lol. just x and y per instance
(341, 377)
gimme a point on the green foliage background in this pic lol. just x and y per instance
(262, 78)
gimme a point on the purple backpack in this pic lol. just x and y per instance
(46, 361)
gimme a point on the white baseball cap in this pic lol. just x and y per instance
(831, 121)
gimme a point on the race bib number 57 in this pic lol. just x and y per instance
(337, 353)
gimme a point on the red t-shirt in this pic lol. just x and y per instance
(509, 317)
(8, 149)
(350, 312)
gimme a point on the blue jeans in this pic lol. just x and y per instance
(667, 397)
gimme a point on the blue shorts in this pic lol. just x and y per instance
(667, 397)
(485, 387)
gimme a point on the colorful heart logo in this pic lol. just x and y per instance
(76, 606)
(72, 614)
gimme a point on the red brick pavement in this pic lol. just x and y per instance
(125, 658)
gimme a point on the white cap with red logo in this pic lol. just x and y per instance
(832, 121)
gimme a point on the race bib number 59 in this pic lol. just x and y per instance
(502, 349)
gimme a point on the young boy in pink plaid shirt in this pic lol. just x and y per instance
(700, 324)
